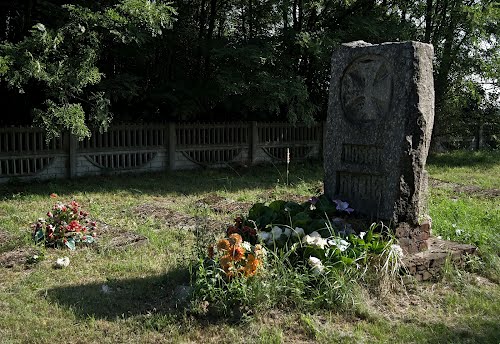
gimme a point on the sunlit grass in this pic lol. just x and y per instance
(40, 304)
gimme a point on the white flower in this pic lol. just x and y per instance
(317, 241)
(458, 231)
(276, 232)
(316, 266)
(315, 235)
(62, 262)
(313, 261)
(246, 245)
(312, 207)
(362, 234)
(396, 250)
(287, 231)
(264, 236)
(298, 232)
(341, 244)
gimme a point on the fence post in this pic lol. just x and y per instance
(72, 148)
(172, 140)
(254, 140)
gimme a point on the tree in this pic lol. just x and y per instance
(62, 62)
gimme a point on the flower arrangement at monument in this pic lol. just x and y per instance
(315, 240)
(65, 225)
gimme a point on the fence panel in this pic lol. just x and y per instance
(24, 152)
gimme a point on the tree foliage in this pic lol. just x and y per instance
(146, 60)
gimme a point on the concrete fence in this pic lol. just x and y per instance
(25, 155)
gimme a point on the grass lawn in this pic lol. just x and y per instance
(130, 293)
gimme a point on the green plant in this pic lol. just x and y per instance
(65, 225)
(224, 281)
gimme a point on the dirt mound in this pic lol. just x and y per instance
(176, 219)
(171, 218)
(223, 205)
(19, 256)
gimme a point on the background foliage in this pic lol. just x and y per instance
(73, 66)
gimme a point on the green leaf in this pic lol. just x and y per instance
(278, 205)
(39, 236)
(89, 239)
(70, 243)
(323, 205)
(301, 220)
(347, 260)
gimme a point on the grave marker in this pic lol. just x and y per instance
(380, 118)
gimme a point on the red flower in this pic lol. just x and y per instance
(74, 226)
(232, 230)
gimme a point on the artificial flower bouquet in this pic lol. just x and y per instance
(66, 225)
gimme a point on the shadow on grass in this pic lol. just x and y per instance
(181, 182)
(485, 159)
(123, 298)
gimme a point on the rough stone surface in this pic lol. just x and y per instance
(428, 264)
(380, 118)
(413, 238)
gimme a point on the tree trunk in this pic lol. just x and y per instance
(428, 21)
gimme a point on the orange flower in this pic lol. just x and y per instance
(225, 262)
(226, 265)
(223, 244)
(235, 239)
(53, 195)
(238, 253)
(251, 265)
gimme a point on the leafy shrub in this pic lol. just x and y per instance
(66, 225)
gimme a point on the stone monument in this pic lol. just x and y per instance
(380, 118)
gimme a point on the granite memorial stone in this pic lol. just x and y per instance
(380, 118)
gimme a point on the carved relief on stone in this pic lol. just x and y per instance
(366, 89)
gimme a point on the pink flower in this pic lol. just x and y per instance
(49, 214)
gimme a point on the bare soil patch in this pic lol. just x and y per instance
(4, 237)
(17, 257)
(472, 190)
(171, 218)
(119, 238)
(223, 205)
(176, 219)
